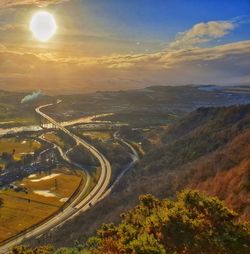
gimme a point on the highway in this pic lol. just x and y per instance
(66, 158)
(80, 204)
(135, 158)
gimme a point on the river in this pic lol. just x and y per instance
(86, 119)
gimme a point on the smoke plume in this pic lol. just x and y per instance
(31, 97)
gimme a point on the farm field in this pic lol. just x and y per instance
(46, 194)
(16, 121)
(52, 137)
(104, 136)
(21, 146)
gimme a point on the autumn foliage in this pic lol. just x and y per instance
(192, 224)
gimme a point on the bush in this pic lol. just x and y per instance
(193, 223)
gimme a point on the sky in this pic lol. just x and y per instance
(125, 44)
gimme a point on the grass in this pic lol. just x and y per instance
(18, 213)
(138, 148)
(141, 118)
(94, 177)
(104, 136)
(54, 138)
(2, 164)
(11, 116)
(12, 122)
(21, 147)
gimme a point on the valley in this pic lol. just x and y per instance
(124, 127)
(153, 144)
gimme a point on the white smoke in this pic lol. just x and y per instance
(31, 97)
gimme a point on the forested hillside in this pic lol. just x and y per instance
(207, 150)
(193, 223)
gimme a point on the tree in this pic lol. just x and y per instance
(38, 250)
(192, 224)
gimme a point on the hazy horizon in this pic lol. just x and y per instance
(119, 45)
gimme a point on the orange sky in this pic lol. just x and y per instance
(87, 56)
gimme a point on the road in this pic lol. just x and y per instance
(67, 159)
(79, 204)
(135, 158)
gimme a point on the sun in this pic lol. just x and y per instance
(43, 25)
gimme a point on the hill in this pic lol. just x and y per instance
(206, 150)
(193, 223)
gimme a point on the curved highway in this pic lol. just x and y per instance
(135, 158)
(79, 204)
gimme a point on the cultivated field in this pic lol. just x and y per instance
(46, 193)
(12, 122)
(51, 136)
(21, 146)
(103, 136)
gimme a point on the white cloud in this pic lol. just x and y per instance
(202, 32)
(40, 3)
(164, 59)
(9, 27)
(177, 65)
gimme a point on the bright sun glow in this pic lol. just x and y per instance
(43, 26)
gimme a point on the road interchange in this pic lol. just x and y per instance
(80, 204)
